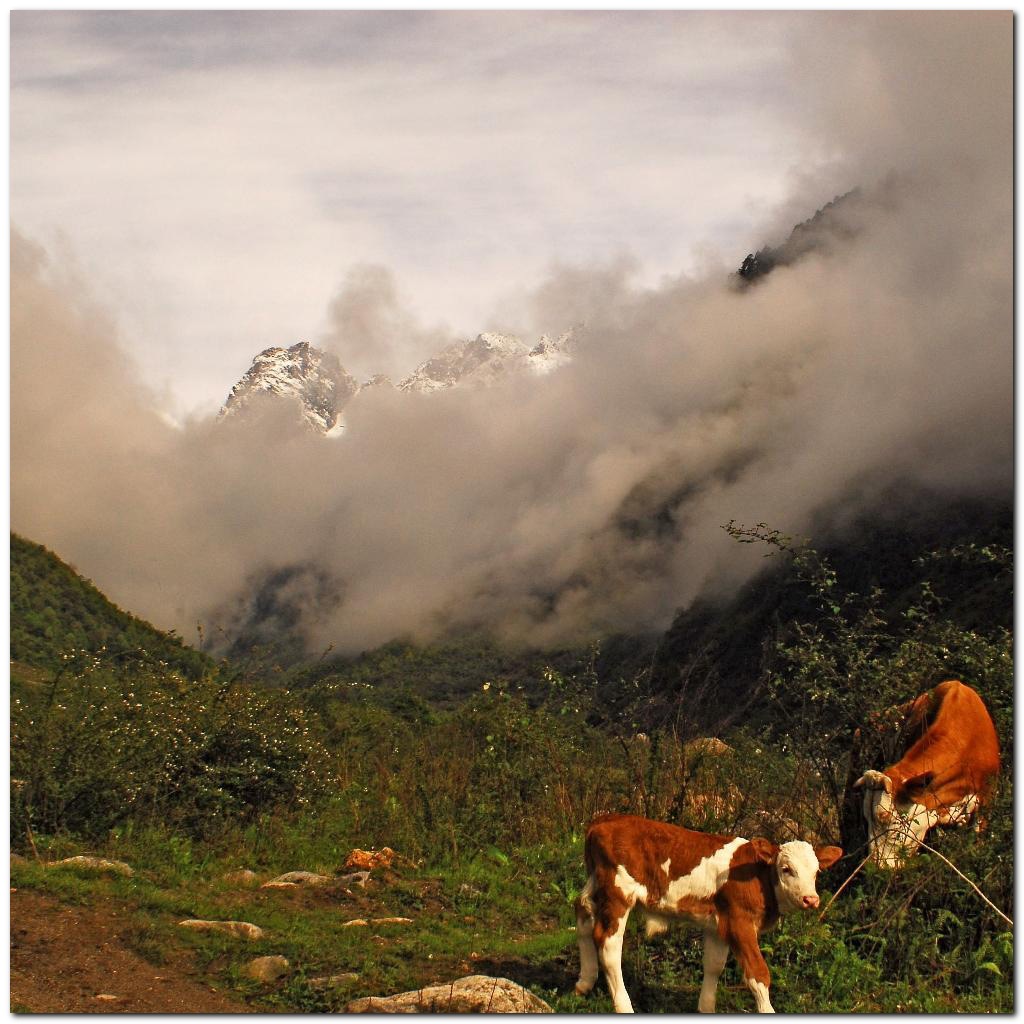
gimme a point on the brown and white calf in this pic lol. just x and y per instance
(945, 775)
(734, 888)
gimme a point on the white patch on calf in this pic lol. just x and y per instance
(704, 880)
(629, 886)
(610, 956)
(760, 993)
(667, 865)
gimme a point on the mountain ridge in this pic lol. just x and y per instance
(319, 385)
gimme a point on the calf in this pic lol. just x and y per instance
(944, 776)
(734, 888)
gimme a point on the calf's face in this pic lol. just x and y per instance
(796, 867)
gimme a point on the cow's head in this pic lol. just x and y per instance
(795, 865)
(897, 819)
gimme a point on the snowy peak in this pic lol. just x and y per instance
(487, 359)
(548, 354)
(315, 380)
(320, 387)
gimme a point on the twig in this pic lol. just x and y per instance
(946, 860)
(32, 843)
(843, 886)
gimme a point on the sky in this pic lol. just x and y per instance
(189, 189)
(221, 177)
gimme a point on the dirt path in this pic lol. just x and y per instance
(63, 957)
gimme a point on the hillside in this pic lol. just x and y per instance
(54, 610)
(714, 655)
(480, 768)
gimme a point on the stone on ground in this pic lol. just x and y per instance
(266, 968)
(333, 980)
(475, 994)
(240, 929)
(359, 878)
(298, 878)
(360, 921)
(367, 860)
(95, 864)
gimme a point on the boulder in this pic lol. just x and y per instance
(359, 878)
(240, 929)
(117, 867)
(266, 968)
(475, 994)
(298, 878)
(367, 860)
(333, 980)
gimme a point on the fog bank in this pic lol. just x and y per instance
(554, 509)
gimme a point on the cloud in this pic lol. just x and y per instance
(221, 172)
(372, 330)
(591, 500)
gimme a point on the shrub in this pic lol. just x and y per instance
(110, 743)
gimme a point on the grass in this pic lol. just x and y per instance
(461, 919)
(510, 915)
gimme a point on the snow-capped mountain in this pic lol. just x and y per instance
(315, 380)
(487, 359)
(322, 388)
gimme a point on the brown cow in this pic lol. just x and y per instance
(942, 779)
(734, 888)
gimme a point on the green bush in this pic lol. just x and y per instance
(111, 743)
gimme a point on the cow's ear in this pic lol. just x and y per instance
(764, 849)
(917, 786)
(874, 780)
(827, 856)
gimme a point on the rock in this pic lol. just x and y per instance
(313, 379)
(474, 994)
(333, 980)
(298, 878)
(280, 885)
(104, 997)
(266, 968)
(377, 920)
(95, 864)
(241, 877)
(359, 878)
(241, 929)
(367, 860)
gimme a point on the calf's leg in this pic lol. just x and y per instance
(716, 952)
(609, 932)
(585, 937)
(743, 941)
